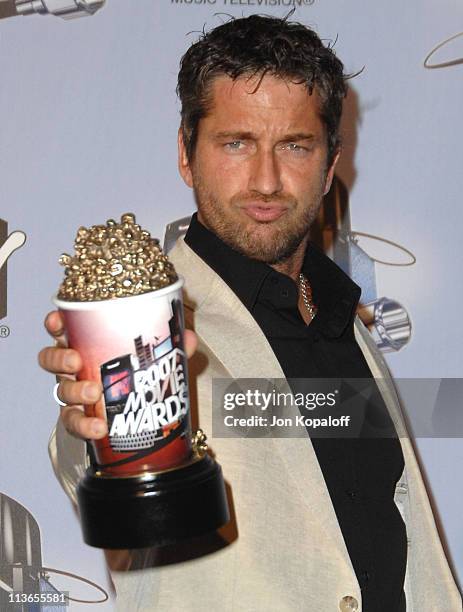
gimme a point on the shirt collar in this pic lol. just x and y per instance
(335, 294)
(243, 275)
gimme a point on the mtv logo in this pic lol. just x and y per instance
(8, 244)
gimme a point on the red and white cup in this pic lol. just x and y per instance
(134, 347)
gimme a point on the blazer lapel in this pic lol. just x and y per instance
(382, 376)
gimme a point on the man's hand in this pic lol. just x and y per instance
(65, 363)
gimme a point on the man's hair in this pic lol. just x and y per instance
(255, 46)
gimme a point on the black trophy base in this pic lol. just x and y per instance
(153, 509)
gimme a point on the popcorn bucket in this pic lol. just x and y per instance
(133, 346)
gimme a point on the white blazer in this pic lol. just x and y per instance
(283, 551)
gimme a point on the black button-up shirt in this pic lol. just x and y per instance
(360, 474)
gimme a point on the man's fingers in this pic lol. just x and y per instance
(191, 342)
(82, 392)
(76, 394)
(60, 360)
(54, 324)
(81, 426)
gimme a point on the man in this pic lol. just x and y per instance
(319, 524)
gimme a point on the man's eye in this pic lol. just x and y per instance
(235, 145)
(292, 146)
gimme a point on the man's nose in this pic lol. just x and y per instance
(265, 176)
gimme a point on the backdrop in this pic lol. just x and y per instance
(89, 122)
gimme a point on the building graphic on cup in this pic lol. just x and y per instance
(145, 391)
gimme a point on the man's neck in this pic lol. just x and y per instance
(292, 268)
(293, 265)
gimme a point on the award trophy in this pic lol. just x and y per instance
(151, 482)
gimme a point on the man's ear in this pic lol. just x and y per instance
(330, 173)
(183, 163)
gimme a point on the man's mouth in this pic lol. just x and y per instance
(264, 212)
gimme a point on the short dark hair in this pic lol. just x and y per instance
(258, 45)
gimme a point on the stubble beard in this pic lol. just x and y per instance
(271, 242)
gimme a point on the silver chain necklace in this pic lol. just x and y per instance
(306, 292)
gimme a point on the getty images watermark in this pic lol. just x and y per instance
(275, 404)
(336, 408)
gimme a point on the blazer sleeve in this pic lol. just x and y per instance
(69, 458)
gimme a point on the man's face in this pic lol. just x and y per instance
(259, 170)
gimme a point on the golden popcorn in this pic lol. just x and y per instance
(114, 260)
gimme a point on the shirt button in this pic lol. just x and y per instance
(366, 576)
(348, 604)
(352, 493)
(285, 293)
